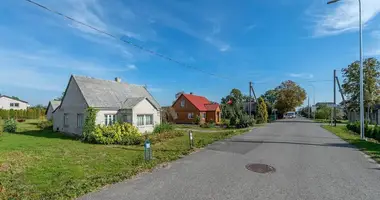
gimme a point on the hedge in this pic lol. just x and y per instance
(369, 131)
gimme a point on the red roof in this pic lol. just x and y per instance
(201, 103)
(211, 107)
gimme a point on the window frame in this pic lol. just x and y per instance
(204, 115)
(109, 119)
(66, 119)
(190, 115)
(182, 103)
(80, 122)
(16, 105)
(144, 120)
(11, 104)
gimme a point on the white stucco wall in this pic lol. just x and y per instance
(145, 107)
(72, 104)
(5, 103)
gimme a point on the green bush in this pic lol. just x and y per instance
(89, 124)
(45, 124)
(245, 122)
(117, 133)
(210, 124)
(163, 127)
(10, 126)
(197, 119)
(376, 132)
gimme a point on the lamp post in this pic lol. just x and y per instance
(313, 98)
(361, 67)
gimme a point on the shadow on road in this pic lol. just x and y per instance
(343, 145)
(295, 121)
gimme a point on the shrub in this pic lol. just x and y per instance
(376, 133)
(45, 124)
(89, 124)
(197, 119)
(210, 124)
(160, 137)
(10, 126)
(262, 113)
(245, 122)
(163, 127)
(117, 133)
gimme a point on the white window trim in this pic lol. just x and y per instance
(106, 119)
(66, 119)
(182, 103)
(144, 120)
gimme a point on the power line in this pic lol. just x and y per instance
(123, 40)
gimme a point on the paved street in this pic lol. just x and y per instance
(310, 163)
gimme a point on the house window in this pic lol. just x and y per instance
(183, 103)
(109, 119)
(190, 115)
(144, 120)
(79, 120)
(17, 104)
(204, 115)
(12, 104)
(140, 120)
(148, 119)
(66, 119)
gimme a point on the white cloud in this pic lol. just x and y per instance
(342, 16)
(374, 46)
(131, 67)
(224, 48)
(301, 75)
(249, 27)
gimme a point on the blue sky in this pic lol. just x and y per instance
(261, 41)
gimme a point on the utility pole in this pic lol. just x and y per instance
(334, 116)
(308, 105)
(250, 97)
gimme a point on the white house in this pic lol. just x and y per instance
(51, 108)
(8, 103)
(116, 101)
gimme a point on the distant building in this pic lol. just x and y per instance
(9, 103)
(53, 105)
(189, 106)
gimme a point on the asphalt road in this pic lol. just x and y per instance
(310, 163)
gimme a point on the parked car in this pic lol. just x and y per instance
(290, 115)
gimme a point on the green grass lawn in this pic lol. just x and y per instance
(370, 147)
(41, 164)
(329, 121)
(195, 127)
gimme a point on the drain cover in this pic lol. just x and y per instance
(260, 168)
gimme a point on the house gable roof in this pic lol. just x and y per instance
(13, 98)
(111, 94)
(200, 102)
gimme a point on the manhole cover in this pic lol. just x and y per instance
(260, 168)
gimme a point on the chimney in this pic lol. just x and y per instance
(118, 79)
(191, 93)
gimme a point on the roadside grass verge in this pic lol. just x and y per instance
(41, 164)
(370, 147)
(329, 121)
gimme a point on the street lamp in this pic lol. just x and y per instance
(313, 97)
(361, 67)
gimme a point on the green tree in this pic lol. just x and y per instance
(351, 87)
(262, 113)
(270, 97)
(323, 112)
(232, 106)
(14, 97)
(60, 98)
(289, 96)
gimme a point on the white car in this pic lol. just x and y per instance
(290, 115)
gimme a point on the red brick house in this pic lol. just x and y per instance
(188, 106)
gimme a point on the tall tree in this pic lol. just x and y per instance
(14, 97)
(232, 106)
(262, 113)
(289, 96)
(351, 87)
(270, 97)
